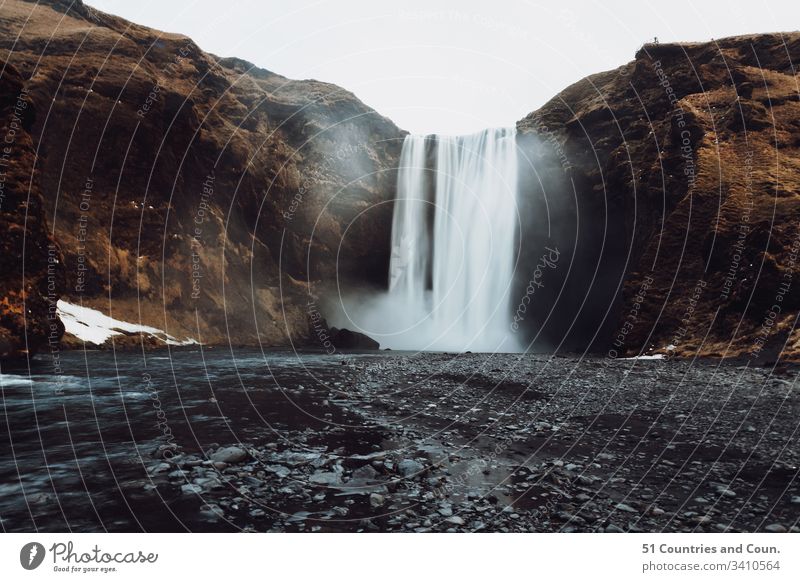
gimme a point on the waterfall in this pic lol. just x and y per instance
(453, 234)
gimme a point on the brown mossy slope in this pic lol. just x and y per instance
(30, 261)
(690, 156)
(198, 194)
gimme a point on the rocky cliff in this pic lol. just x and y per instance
(672, 186)
(214, 200)
(199, 195)
(30, 261)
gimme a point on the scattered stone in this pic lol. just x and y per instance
(365, 474)
(725, 492)
(208, 483)
(703, 520)
(327, 478)
(776, 528)
(229, 455)
(409, 467)
(159, 468)
(278, 470)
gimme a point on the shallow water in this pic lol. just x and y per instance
(76, 447)
(494, 442)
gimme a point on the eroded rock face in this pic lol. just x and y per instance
(352, 340)
(673, 196)
(30, 261)
(212, 199)
(199, 195)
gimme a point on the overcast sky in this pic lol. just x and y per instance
(449, 66)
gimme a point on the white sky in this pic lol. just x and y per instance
(449, 66)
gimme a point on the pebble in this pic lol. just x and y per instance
(230, 455)
(160, 468)
(208, 483)
(725, 492)
(279, 470)
(409, 467)
(555, 495)
(327, 478)
(365, 474)
(703, 520)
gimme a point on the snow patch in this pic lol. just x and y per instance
(92, 326)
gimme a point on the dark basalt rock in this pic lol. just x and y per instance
(660, 184)
(181, 182)
(345, 339)
(31, 267)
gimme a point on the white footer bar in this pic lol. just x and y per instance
(390, 557)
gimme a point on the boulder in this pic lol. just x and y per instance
(345, 339)
(229, 455)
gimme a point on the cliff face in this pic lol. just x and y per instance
(30, 261)
(198, 194)
(674, 192)
(212, 199)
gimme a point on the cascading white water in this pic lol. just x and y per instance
(450, 277)
(410, 259)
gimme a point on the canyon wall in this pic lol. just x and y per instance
(197, 194)
(216, 200)
(671, 187)
(30, 260)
